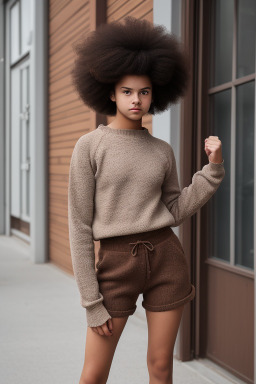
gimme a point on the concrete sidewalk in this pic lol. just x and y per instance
(43, 330)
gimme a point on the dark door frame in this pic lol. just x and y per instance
(189, 164)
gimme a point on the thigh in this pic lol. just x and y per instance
(118, 275)
(99, 352)
(162, 332)
(169, 285)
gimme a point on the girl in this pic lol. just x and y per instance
(124, 191)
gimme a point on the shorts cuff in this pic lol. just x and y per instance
(167, 307)
(122, 313)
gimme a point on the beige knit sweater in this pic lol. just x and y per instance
(124, 181)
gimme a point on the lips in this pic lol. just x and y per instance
(135, 109)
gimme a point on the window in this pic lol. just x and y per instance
(20, 29)
(232, 109)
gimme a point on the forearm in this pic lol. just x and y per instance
(80, 216)
(184, 203)
(204, 184)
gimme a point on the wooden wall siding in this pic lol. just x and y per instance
(56, 6)
(69, 118)
(117, 10)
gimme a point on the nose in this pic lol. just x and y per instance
(136, 99)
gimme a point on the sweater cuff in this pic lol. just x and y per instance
(216, 166)
(97, 315)
(222, 163)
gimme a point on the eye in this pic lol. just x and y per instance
(146, 92)
(126, 91)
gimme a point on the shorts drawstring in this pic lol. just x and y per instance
(149, 246)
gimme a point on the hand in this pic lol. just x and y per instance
(104, 329)
(213, 149)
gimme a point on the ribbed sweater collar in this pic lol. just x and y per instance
(130, 132)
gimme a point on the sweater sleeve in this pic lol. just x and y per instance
(81, 189)
(183, 204)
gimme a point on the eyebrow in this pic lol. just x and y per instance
(140, 89)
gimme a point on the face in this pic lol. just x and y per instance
(133, 91)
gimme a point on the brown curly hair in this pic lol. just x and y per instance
(131, 47)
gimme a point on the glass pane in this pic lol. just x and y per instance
(24, 138)
(222, 13)
(25, 25)
(246, 37)
(244, 204)
(15, 142)
(28, 142)
(219, 204)
(15, 32)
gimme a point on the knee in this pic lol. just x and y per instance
(160, 368)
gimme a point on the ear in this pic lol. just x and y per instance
(112, 96)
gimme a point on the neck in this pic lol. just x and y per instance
(121, 122)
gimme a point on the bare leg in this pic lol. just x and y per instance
(99, 353)
(162, 331)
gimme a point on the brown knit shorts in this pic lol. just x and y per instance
(150, 263)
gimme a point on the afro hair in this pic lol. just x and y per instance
(131, 47)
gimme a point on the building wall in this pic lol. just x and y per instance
(117, 10)
(69, 118)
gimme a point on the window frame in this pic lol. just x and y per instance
(232, 85)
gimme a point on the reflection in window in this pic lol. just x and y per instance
(244, 192)
(222, 39)
(15, 32)
(219, 204)
(25, 24)
(246, 37)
